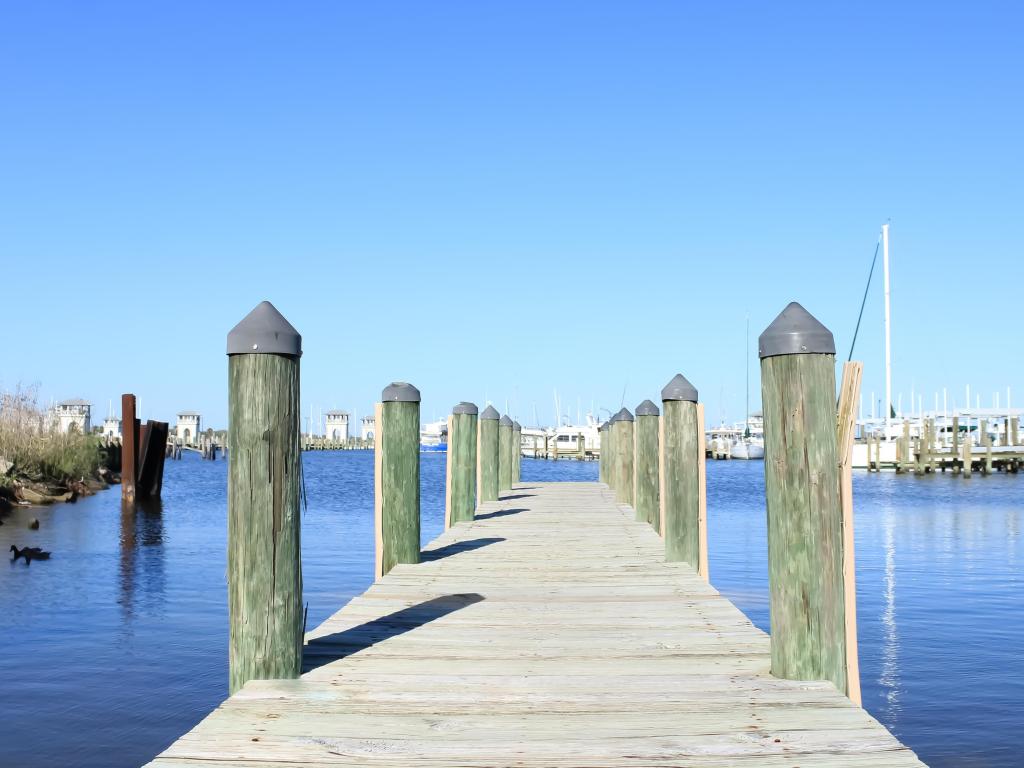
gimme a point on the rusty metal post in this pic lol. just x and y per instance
(129, 447)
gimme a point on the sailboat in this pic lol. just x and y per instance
(750, 445)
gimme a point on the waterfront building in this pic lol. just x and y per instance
(111, 427)
(366, 432)
(187, 428)
(72, 416)
(337, 426)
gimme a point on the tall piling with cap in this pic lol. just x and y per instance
(397, 477)
(622, 426)
(680, 464)
(487, 455)
(461, 474)
(646, 464)
(264, 481)
(805, 536)
(504, 454)
(517, 451)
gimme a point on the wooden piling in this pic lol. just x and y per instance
(517, 451)
(129, 447)
(264, 481)
(461, 460)
(487, 455)
(646, 489)
(805, 537)
(602, 434)
(966, 459)
(504, 454)
(681, 480)
(397, 495)
(609, 442)
(622, 426)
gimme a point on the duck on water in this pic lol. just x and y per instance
(29, 553)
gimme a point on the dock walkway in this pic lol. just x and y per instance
(547, 632)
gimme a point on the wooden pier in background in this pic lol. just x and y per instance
(548, 631)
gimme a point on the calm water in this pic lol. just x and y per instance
(118, 644)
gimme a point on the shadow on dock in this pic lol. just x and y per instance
(330, 648)
(461, 546)
(515, 496)
(499, 513)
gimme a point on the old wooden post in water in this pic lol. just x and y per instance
(681, 482)
(129, 447)
(504, 454)
(264, 481)
(805, 536)
(622, 426)
(397, 477)
(487, 457)
(461, 486)
(646, 464)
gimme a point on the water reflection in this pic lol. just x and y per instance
(889, 678)
(141, 573)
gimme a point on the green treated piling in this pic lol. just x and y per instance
(517, 451)
(681, 457)
(602, 453)
(622, 426)
(462, 463)
(646, 463)
(489, 451)
(399, 489)
(805, 539)
(504, 454)
(264, 479)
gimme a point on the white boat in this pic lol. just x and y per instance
(434, 436)
(750, 443)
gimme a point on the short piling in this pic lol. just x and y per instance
(487, 455)
(129, 447)
(461, 474)
(681, 483)
(805, 537)
(264, 481)
(517, 451)
(622, 426)
(646, 464)
(504, 454)
(397, 481)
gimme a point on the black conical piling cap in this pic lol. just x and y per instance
(264, 331)
(490, 413)
(517, 426)
(795, 332)
(505, 421)
(623, 415)
(647, 408)
(400, 392)
(465, 408)
(679, 389)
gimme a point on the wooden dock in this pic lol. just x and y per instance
(549, 631)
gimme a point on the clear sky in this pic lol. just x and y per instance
(501, 199)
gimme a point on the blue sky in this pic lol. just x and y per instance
(501, 199)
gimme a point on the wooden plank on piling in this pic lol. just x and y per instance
(448, 478)
(551, 635)
(702, 497)
(378, 497)
(849, 394)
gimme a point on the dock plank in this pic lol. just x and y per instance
(547, 632)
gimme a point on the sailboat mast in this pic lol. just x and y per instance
(888, 346)
(746, 431)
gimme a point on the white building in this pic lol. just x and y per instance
(72, 416)
(111, 427)
(367, 428)
(337, 426)
(187, 428)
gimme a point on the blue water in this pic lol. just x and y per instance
(118, 644)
